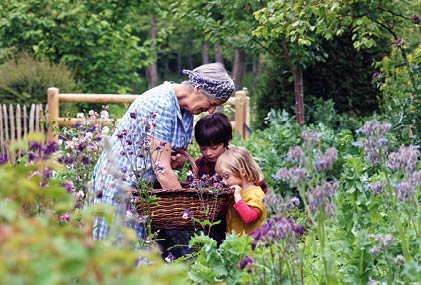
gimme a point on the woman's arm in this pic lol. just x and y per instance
(162, 159)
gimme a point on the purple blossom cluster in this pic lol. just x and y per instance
(137, 147)
(321, 197)
(210, 183)
(39, 152)
(377, 188)
(324, 162)
(374, 143)
(310, 138)
(277, 204)
(294, 175)
(80, 147)
(405, 159)
(407, 189)
(381, 242)
(275, 230)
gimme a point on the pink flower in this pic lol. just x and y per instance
(65, 218)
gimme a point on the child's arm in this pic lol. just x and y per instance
(248, 214)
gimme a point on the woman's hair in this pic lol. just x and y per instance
(235, 159)
(213, 129)
(213, 71)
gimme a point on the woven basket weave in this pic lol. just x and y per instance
(172, 203)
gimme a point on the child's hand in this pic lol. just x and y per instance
(237, 189)
(237, 192)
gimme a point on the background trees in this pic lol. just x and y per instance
(302, 47)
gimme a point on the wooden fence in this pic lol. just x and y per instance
(240, 102)
(16, 121)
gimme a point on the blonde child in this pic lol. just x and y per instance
(240, 172)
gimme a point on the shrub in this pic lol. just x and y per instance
(24, 80)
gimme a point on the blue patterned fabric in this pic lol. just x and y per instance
(173, 126)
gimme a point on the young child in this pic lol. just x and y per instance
(213, 133)
(240, 172)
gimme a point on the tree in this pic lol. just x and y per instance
(94, 38)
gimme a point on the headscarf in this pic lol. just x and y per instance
(218, 89)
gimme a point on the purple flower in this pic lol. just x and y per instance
(133, 115)
(170, 258)
(81, 147)
(186, 214)
(398, 42)
(77, 125)
(415, 18)
(99, 194)
(245, 261)
(85, 160)
(375, 74)
(34, 146)
(52, 147)
(377, 188)
(3, 159)
(68, 185)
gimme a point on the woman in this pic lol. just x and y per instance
(208, 86)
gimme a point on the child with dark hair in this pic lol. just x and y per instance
(213, 133)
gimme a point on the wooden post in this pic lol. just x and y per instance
(52, 113)
(240, 100)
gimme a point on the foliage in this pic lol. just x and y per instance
(93, 38)
(214, 264)
(24, 80)
(54, 247)
(270, 146)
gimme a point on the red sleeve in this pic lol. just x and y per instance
(247, 214)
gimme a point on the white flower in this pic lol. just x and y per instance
(185, 216)
(129, 214)
(80, 116)
(104, 114)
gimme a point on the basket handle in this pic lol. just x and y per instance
(193, 165)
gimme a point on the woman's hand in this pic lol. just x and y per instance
(165, 175)
(177, 160)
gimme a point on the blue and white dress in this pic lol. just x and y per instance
(173, 126)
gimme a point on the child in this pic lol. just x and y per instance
(213, 133)
(240, 172)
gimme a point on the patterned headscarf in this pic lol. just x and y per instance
(218, 89)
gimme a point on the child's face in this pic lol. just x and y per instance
(228, 177)
(211, 153)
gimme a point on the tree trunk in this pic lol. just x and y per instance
(179, 58)
(219, 57)
(239, 68)
(299, 94)
(205, 52)
(257, 70)
(166, 68)
(189, 59)
(152, 69)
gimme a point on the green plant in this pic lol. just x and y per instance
(212, 264)
(54, 245)
(25, 80)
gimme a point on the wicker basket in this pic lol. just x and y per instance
(172, 203)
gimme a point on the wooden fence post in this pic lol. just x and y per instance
(52, 113)
(240, 106)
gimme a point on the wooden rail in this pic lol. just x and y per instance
(240, 102)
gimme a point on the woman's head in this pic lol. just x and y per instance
(237, 162)
(212, 80)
